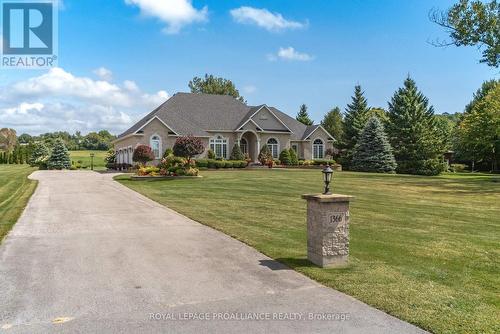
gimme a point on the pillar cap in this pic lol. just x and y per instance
(327, 198)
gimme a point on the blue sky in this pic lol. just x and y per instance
(132, 54)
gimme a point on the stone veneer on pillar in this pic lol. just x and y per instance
(328, 229)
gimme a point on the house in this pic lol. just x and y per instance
(221, 121)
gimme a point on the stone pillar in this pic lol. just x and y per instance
(328, 229)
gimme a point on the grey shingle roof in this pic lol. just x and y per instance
(188, 113)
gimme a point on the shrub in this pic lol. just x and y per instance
(294, 160)
(143, 154)
(38, 158)
(211, 154)
(236, 154)
(265, 157)
(228, 164)
(148, 171)
(202, 163)
(110, 156)
(457, 168)
(219, 164)
(188, 147)
(180, 172)
(59, 158)
(173, 161)
(168, 152)
(211, 163)
(429, 167)
(285, 157)
(243, 164)
(192, 171)
(322, 162)
(308, 162)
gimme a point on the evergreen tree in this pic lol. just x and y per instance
(332, 122)
(59, 158)
(40, 155)
(373, 153)
(294, 159)
(236, 154)
(285, 158)
(215, 85)
(303, 116)
(413, 132)
(356, 115)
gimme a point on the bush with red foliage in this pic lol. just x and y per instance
(143, 154)
(188, 147)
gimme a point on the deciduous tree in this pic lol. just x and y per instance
(214, 85)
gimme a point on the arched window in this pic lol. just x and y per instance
(244, 145)
(218, 145)
(155, 143)
(273, 146)
(318, 149)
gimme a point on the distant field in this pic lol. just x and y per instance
(84, 157)
(15, 191)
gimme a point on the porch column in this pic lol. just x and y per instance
(258, 150)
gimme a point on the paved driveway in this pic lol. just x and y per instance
(91, 256)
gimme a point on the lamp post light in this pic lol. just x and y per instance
(91, 161)
(327, 178)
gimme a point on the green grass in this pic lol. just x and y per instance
(424, 249)
(15, 191)
(84, 157)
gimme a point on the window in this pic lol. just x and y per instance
(244, 145)
(218, 145)
(273, 146)
(318, 149)
(155, 143)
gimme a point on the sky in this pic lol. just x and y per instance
(119, 59)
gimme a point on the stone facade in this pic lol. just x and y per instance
(328, 229)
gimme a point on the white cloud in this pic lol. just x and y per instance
(59, 100)
(264, 19)
(249, 89)
(104, 74)
(175, 13)
(291, 54)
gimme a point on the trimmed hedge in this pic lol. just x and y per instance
(217, 164)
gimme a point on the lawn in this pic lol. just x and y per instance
(15, 191)
(424, 249)
(84, 157)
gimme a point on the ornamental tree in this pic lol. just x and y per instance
(143, 154)
(373, 153)
(188, 147)
(236, 154)
(59, 158)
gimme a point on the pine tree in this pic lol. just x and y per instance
(303, 116)
(413, 133)
(265, 157)
(356, 115)
(373, 153)
(236, 153)
(59, 158)
(332, 122)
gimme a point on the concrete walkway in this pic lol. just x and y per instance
(89, 255)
